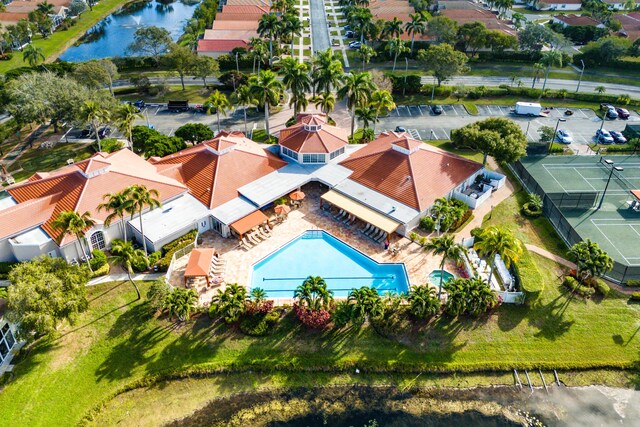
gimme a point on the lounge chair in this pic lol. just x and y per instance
(263, 234)
(366, 228)
(347, 219)
(340, 214)
(353, 220)
(266, 230)
(374, 230)
(377, 235)
(381, 238)
(253, 238)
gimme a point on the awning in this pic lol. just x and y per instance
(199, 263)
(361, 211)
(245, 224)
(636, 194)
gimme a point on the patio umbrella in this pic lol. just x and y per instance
(297, 195)
(282, 209)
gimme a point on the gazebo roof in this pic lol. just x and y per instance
(199, 262)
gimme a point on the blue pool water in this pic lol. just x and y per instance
(434, 277)
(318, 253)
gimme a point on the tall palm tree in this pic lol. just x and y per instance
(366, 53)
(119, 206)
(181, 303)
(269, 26)
(500, 241)
(392, 29)
(327, 70)
(397, 47)
(417, 25)
(266, 89)
(242, 96)
(423, 301)
(125, 117)
(314, 293)
(366, 302)
(326, 101)
(292, 27)
(230, 304)
(381, 100)
(356, 89)
(259, 52)
(538, 69)
(95, 114)
(124, 255)
(549, 59)
(73, 223)
(32, 55)
(140, 198)
(219, 103)
(367, 115)
(296, 78)
(362, 22)
(449, 249)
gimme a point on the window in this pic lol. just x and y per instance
(289, 153)
(313, 158)
(97, 240)
(336, 153)
(4, 350)
(8, 335)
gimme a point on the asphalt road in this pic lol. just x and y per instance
(319, 26)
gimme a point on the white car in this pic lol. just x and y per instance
(354, 45)
(564, 137)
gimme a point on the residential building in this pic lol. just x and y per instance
(572, 20)
(215, 48)
(312, 140)
(615, 4)
(555, 4)
(630, 25)
(9, 344)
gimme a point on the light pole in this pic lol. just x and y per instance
(613, 168)
(580, 79)
(237, 66)
(433, 88)
(527, 131)
(406, 70)
(555, 133)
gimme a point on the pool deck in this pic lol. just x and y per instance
(239, 262)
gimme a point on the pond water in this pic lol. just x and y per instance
(111, 36)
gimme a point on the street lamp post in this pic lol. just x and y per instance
(433, 88)
(580, 79)
(406, 70)
(613, 168)
(555, 134)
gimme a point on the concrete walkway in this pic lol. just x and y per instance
(319, 26)
(124, 276)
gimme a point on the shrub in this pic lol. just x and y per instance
(632, 282)
(172, 247)
(154, 257)
(312, 318)
(258, 325)
(427, 223)
(413, 236)
(476, 233)
(259, 308)
(410, 84)
(157, 293)
(574, 286)
(140, 264)
(635, 296)
(461, 221)
(342, 313)
(530, 211)
(5, 268)
(109, 145)
(602, 288)
(98, 259)
(103, 270)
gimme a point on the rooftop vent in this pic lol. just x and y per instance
(312, 128)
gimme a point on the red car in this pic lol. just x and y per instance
(623, 113)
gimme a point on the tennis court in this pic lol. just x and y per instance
(574, 185)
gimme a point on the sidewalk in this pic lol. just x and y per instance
(123, 277)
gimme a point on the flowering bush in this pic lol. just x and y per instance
(261, 307)
(312, 318)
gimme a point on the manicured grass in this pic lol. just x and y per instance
(192, 93)
(117, 343)
(448, 146)
(61, 40)
(43, 160)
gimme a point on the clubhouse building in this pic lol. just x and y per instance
(226, 183)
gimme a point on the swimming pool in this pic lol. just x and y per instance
(318, 253)
(434, 277)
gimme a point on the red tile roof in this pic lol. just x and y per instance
(238, 16)
(245, 9)
(235, 25)
(630, 25)
(215, 169)
(24, 216)
(301, 139)
(220, 45)
(414, 179)
(577, 20)
(81, 187)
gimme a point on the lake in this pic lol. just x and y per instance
(111, 36)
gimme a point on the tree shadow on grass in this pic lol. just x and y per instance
(550, 320)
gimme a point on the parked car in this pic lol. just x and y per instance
(618, 137)
(139, 104)
(604, 106)
(611, 113)
(400, 129)
(347, 27)
(354, 45)
(564, 137)
(104, 132)
(623, 113)
(437, 109)
(86, 133)
(604, 137)
(350, 34)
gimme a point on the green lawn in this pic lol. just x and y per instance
(61, 40)
(448, 146)
(192, 93)
(43, 160)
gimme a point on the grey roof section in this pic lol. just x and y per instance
(330, 174)
(233, 210)
(377, 201)
(171, 217)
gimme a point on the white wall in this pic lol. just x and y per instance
(6, 254)
(560, 7)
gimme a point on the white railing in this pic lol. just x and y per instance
(470, 201)
(512, 297)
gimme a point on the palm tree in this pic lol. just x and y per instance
(125, 117)
(219, 103)
(45, 7)
(32, 55)
(366, 302)
(140, 198)
(362, 22)
(180, 302)
(73, 223)
(366, 53)
(381, 100)
(393, 28)
(423, 301)
(397, 47)
(269, 26)
(367, 115)
(518, 19)
(356, 88)
(600, 89)
(259, 52)
(549, 59)
(538, 68)
(591, 261)
(124, 255)
(494, 240)
(242, 96)
(119, 206)
(258, 295)
(296, 78)
(326, 101)
(95, 114)
(314, 294)
(417, 25)
(473, 296)
(327, 70)
(292, 27)
(230, 304)
(449, 249)
(266, 90)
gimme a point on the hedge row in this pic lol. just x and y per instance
(574, 286)
(632, 282)
(172, 247)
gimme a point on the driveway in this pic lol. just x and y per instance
(319, 26)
